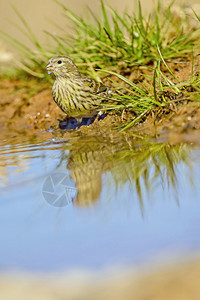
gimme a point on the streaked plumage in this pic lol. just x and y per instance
(77, 95)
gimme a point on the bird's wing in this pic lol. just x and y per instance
(96, 87)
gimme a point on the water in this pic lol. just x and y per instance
(94, 202)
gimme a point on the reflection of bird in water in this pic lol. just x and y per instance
(77, 95)
(138, 162)
(87, 162)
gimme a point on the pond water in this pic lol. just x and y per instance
(94, 202)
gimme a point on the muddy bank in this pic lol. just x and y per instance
(27, 108)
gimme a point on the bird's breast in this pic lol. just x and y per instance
(70, 97)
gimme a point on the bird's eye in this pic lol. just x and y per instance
(59, 62)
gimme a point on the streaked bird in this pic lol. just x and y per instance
(78, 96)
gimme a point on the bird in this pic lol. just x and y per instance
(77, 95)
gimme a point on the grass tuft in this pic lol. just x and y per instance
(114, 43)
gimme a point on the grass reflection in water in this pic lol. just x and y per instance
(128, 159)
(140, 162)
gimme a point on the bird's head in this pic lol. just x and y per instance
(62, 66)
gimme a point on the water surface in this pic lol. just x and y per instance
(94, 202)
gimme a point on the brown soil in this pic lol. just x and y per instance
(174, 282)
(28, 108)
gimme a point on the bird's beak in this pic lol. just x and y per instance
(50, 68)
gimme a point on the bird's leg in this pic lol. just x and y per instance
(79, 121)
(95, 119)
(99, 116)
(100, 113)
